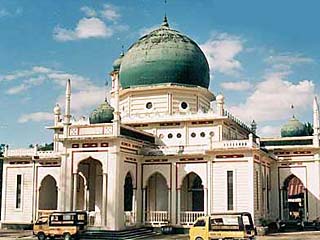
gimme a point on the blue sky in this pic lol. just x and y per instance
(263, 55)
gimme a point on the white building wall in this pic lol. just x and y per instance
(11, 213)
(219, 186)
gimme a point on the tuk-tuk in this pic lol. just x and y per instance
(223, 226)
(60, 224)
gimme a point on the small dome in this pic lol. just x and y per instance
(293, 128)
(220, 98)
(57, 109)
(117, 63)
(102, 114)
(164, 56)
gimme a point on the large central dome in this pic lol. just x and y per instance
(164, 56)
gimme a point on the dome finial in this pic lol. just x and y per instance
(165, 19)
(292, 109)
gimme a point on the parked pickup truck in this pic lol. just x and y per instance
(223, 226)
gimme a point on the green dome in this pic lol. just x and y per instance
(102, 114)
(116, 64)
(293, 128)
(164, 56)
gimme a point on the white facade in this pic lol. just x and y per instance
(170, 155)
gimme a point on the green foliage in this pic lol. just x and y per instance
(309, 128)
(2, 146)
(46, 147)
(264, 222)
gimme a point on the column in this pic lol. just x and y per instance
(174, 195)
(169, 205)
(104, 199)
(205, 200)
(178, 205)
(115, 219)
(75, 185)
(134, 205)
(144, 201)
(209, 186)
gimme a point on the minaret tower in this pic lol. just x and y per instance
(316, 123)
(115, 90)
(67, 115)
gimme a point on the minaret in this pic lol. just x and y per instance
(220, 104)
(316, 124)
(67, 115)
(254, 126)
(115, 90)
(57, 114)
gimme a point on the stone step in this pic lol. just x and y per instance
(129, 234)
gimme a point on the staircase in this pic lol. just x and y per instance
(128, 234)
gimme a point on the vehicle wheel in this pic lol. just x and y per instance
(67, 236)
(199, 238)
(41, 236)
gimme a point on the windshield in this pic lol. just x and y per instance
(42, 220)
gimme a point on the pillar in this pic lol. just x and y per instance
(178, 205)
(104, 199)
(209, 186)
(115, 219)
(75, 184)
(174, 195)
(134, 204)
(205, 199)
(169, 205)
(144, 202)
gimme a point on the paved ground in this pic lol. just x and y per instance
(27, 235)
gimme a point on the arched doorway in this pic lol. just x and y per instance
(156, 200)
(48, 194)
(128, 193)
(293, 197)
(129, 201)
(191, 198)
(89, 189)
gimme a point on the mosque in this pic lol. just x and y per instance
(166, 152)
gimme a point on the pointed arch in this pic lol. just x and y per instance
(192, 193)
(48, 193)
(128, 192)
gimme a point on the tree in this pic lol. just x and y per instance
(309, 128)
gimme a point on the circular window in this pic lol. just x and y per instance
(211, 134)
(178, 135)
(149, 105)
(184, 105)
(170, 135)
(202, 134)
(193, 134)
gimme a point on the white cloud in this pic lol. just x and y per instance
(86, 28)
(221, 51)
(17, 89)
(36, 117)
(146, 30)
(4, 13)
(273, 97)
(89, 12)
(84, 100)
(85, 94)
(288, 59)
(110, 12)
(236, 86)
(269, 131)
